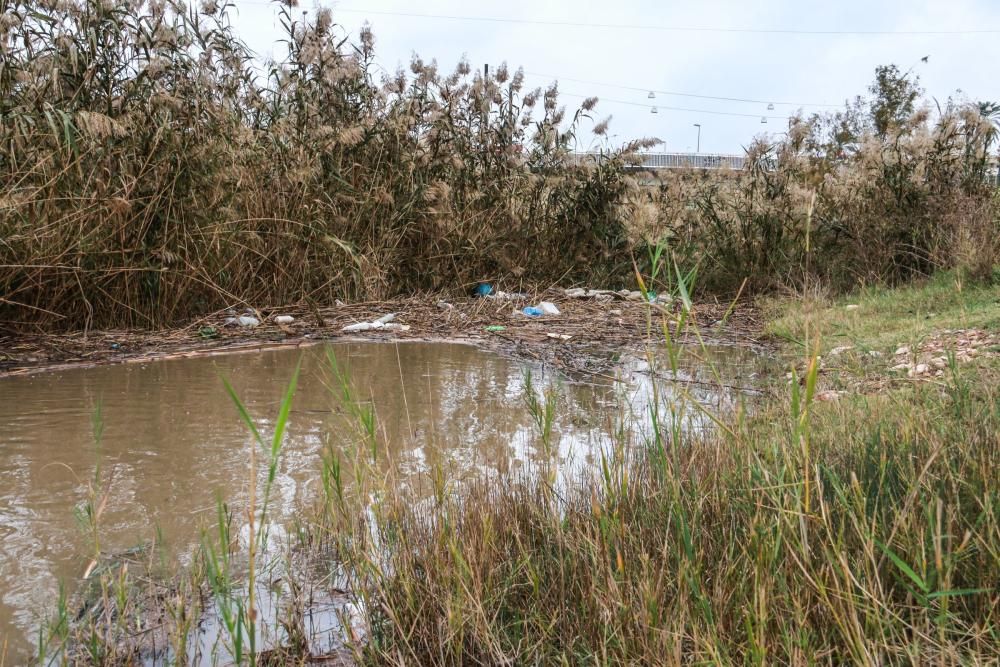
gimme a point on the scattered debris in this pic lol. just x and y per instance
(384, 322)
(608, 295)
(500, 295)
(585, 319)
(283, 319)
(495, 328)
(851, 306)
(532, 311)
(559, 336)
(444, 305)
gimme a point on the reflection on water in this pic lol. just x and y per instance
(172, 440)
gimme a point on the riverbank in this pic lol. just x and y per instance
(850, 517)
(581, 338)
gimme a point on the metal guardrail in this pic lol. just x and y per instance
(682, 160)
(718, 161)
(692, 161)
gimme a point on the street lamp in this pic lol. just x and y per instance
(698, 125)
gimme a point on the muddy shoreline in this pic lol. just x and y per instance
(583, 338)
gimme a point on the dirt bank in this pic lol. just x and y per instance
(581, 338)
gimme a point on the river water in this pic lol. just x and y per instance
(172, 441)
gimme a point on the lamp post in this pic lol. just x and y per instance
(698, 125)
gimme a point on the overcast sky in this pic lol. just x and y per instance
(804, 69)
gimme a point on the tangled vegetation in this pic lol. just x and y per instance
(151, 169)
(876, 194)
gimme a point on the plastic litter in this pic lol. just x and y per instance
(531, 311)
(444, 305)
(548, 308)
(381, 323)
(494, 328)
(484, 289)
(283, 319)
(559, 336)
(247, 321)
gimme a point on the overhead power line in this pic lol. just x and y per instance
(677, 94)
(663, 28)
(668, 108)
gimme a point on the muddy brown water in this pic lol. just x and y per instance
(172, 442)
